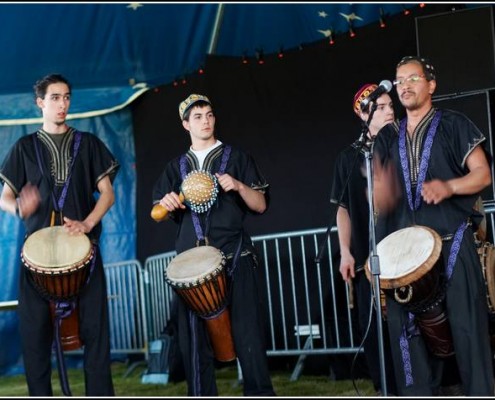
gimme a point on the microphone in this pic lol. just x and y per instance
(384, 87)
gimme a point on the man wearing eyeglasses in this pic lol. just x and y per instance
(442, 165)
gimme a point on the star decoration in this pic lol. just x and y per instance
(326, 33)
(351, 17)
(134, 6)
(322, 14)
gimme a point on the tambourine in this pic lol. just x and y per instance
(198, 191)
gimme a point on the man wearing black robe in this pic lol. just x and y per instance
(241, 190)
(442, 167)
(50, 178)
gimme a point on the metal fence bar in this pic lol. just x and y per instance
(126, 308)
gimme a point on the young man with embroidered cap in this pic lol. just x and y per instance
(353, 225)
(241, 190)
(442, 165)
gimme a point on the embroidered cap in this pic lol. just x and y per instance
(428, 68)
(189, 102)
(361, 94)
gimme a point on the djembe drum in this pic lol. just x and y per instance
(412, 273)
(58, 263)
(197, 275)
(198, 191)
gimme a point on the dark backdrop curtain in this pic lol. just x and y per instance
(293, 114)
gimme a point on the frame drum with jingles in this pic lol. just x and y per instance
(59, 263)
(198, 276)
(412, 274)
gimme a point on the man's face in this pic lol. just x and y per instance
(201, 123)
(56, 103)
(383, 115)
(413, 89)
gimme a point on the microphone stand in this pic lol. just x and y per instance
(374, 261)
(373, 258)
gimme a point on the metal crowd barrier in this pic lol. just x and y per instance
(127, 310)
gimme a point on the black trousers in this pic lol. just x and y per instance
(37, 332)
(248, 335)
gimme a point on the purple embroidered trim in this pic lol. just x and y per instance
(77, 142)
(58, 205)
(425, 156)
(404, 348)
(456, 245)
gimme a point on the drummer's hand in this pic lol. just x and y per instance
(386, 187)
(29, 200)
(75, 227)
(435, 191)
(171, 202)
(347, 267)
(227, 182)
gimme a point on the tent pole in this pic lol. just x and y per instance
(216, 29)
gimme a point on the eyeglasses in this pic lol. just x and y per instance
(412, 79)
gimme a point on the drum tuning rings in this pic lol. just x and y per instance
(403, 294)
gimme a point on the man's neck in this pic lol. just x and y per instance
(55, 128)
(414, 117)
(199, 145)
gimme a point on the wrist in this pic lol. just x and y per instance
(18, 210)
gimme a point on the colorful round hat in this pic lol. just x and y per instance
(361, 94)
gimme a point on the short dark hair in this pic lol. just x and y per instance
(41, 86)
(428, 68)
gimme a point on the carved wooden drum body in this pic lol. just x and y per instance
(198, 276)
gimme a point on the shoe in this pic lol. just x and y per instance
(452, 390)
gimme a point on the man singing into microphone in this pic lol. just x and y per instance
(353, 219)
(442, 162)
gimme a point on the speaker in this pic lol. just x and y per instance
(460, 45)
(477, 107)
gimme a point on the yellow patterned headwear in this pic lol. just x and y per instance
(189, 102)
(361, 94)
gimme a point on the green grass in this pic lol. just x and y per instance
(127, 382)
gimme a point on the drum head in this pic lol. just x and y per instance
(52, 249)
(407, 254)
(194, 265)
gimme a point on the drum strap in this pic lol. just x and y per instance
(425, 157)
(62, 310)
(58, 205)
